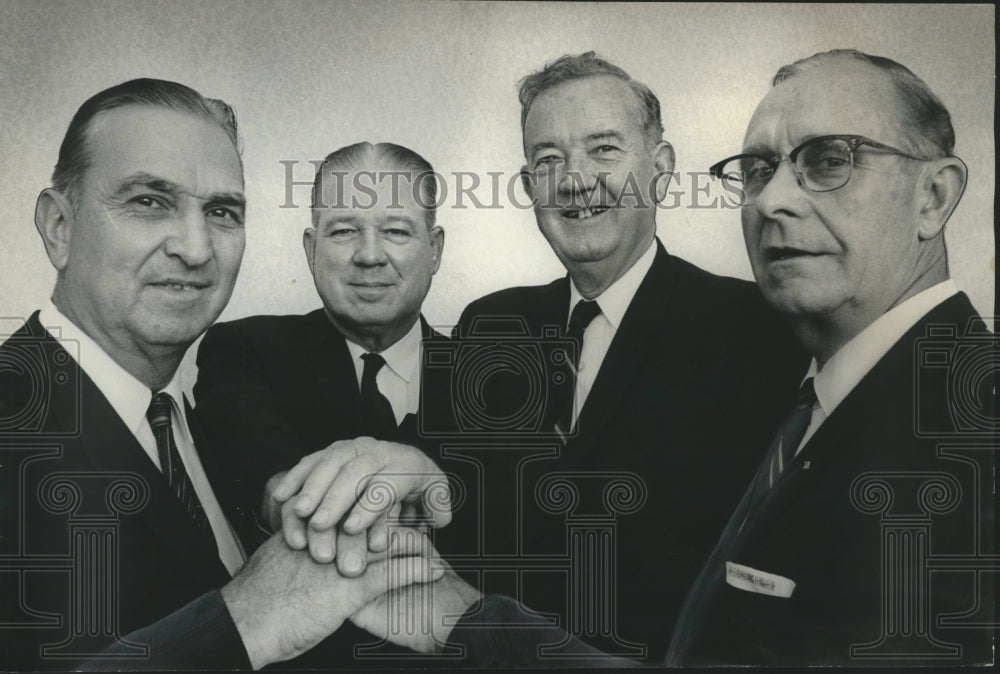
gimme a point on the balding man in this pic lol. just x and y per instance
(308, 393)
(866, 535)
(114, 551)
(883, 468)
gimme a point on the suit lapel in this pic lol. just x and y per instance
(332, 379)
(885, 391)
(642, 334)
(335, 380)
(106, 445)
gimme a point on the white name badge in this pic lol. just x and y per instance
(744, 578)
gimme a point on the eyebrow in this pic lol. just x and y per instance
(597, 135)
(767, 151)
(149, 181)
(338, 220)
(543, 145)
(402, 218)
(610, 133)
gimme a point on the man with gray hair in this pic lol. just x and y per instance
(884, 466)
(867, 534)
(114, 550)
(680, 377)
(308, 409)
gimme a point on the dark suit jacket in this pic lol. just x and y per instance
(690, 390)
(270, 390)
(895, 470)
(72, 473)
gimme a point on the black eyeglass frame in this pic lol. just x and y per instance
(774, 161)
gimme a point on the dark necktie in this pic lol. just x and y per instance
(159, 415)
(791, 432)
(583, 313)
(377, 418)
(707, 585)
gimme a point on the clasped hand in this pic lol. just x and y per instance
(362, 485)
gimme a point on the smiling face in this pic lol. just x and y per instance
(592, 173)
(847, 255)
(155, 241)
(371, 253)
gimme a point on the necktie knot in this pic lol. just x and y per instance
(377, 417)
(171, 464)
(583, 313)
(373, 363)
(158, 412)
(806, 396)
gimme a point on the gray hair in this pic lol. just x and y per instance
(73, 155)
(569, 67)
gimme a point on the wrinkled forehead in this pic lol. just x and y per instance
(837, 98)
(173, 145)
(576, 108)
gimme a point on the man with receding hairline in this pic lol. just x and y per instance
(116, 553)
(305, 409)
(849, 176)
(866, 536)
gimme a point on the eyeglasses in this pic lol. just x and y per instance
(821, 164)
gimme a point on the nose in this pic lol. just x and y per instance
(578, 174)
(369, 248)
(191, 240)
(783, 194)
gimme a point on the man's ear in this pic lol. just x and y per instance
(437, 245)
(943, 184)
(54, 219)
(309, 246)
(663, 160)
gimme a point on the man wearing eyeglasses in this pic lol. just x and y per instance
(866, 535)
(862, 537)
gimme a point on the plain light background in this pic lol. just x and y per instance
(441, 77)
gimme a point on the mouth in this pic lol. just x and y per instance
(178, 285)
(781, 254)
(583, 213)
(371, 284)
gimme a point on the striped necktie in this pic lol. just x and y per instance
(782, 450)
(791, 432)
(708, 584)
(159, 416)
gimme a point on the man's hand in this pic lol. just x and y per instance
(283, 603)
(368, 478)
(419, 617)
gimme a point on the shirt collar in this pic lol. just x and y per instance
(402, 357)
(848, 366)
(128, 396)
(614, 301)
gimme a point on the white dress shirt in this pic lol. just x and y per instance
(597, 338)
(842, 372)
(399, 379)
(130, 399)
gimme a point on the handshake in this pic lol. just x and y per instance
(352, 545)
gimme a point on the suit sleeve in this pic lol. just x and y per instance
(200, 635)
(487, 633)
(238, 408)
